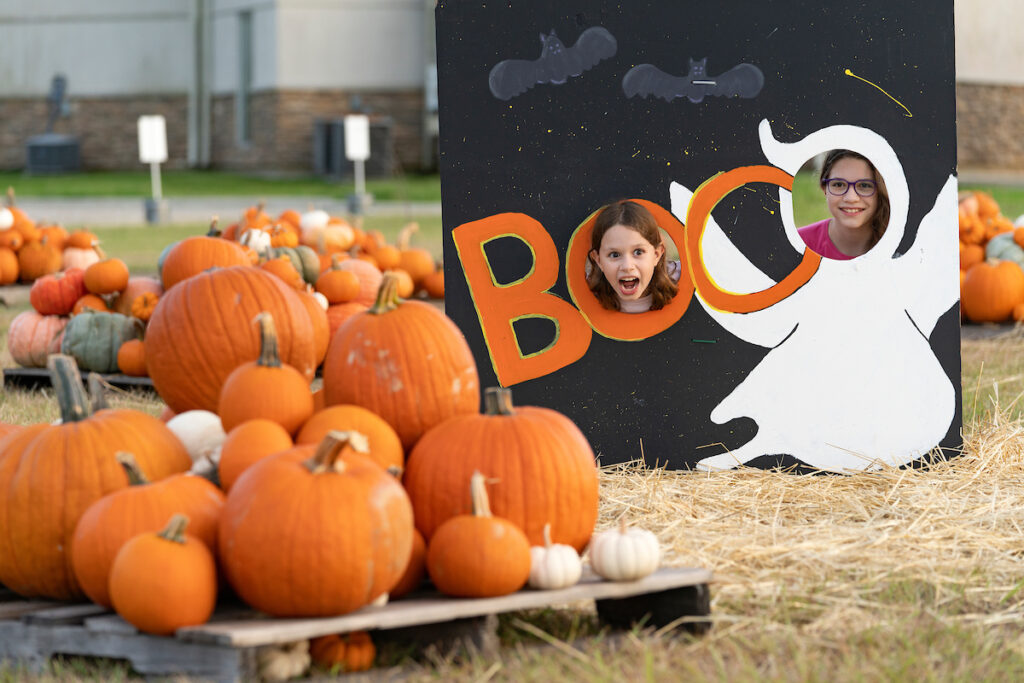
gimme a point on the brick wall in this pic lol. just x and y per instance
(990, 126)
(106, 129)
(282, 127)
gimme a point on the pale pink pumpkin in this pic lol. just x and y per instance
(369, 279)
(32, 337)
(73, 257)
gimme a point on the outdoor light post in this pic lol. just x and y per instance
(357, 150)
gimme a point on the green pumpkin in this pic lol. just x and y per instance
(1003, 247)
(303, 258)
(93, 338)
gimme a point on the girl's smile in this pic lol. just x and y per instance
(850, 210)
(627, 261)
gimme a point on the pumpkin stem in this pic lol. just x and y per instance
(622, 525)
(214, 231)
(405, 236)
(98, 392)
(67, 385)
(335, 261)
(498, 401)
(269, 355)
(175, 529)
(99, 252)
(136, 477)
(10, 195)
(547, 535)
(478, 493)
(325, 459)
(387, 295)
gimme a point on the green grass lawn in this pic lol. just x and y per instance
(215, 183)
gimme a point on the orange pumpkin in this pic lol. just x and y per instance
(318, 317)
(416, 261)
(8, 266)
(435, 379)
(11, 239)
(282, 268)
(369, 278)
(405, 284)
(131, 358)
(107, 276)
(343, 651)
(144, 305)
(535, 454)
(338, 314)
(499, 563)
(137, 285)
(201, 331)
(384, 444)
(164, 581)
(388, 257)
(265, 388)
(90, 301)
(971, 254)
(141, 506)
(69, 466)
(56, 294)
(247, 444)
(415, 571)
(359, 515)
(194, 255)
(81, 239)
(434, 284)
(37, 259)
(337, 284)
(54, 234)
(990, 291)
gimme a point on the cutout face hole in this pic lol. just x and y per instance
(846, 216)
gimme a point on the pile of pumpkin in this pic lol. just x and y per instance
(991, 261)
(397, 477)
(29, 251)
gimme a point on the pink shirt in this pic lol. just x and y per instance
(815, 236)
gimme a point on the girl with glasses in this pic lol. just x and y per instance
(856, 199)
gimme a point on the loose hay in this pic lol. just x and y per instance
(833, 554)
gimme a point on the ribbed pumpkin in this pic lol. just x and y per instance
(478, 555)
(106, 276)
(384, 444)
(141, 506)
(415, 570)
(131, 358)
(542, 466)
(164, 581)
(405, 361)
(338, 285)
(32, 337)
(93, 338)
(321, 325)
(369, 279)
(57, 293)
(37, 259)
(338, 314)
(991, 290)
(144, 305)
(196, 254)
(50, 474)
(202, 330)
(266, 387)
(352, 546)
(247, 444)
(343, 651)
(416, 261)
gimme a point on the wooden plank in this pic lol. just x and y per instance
(434, 608)
(19, 608)
(39, 378)
(110, 623)
(65, 614)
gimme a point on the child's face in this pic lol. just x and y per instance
(851, 211)
(627, 261)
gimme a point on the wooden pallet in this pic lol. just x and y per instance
(225, 648)
(39, 378)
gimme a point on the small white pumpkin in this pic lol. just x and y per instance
(257, 240)
(6, 218)
(314, 218)
(553, 565)
(624, 554)
(200, 431)
(283, 662)
(322, 300)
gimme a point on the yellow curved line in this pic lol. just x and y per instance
(850, 73)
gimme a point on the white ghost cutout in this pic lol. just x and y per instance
(851, 382)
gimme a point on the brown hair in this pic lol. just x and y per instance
(881, 218)
(631, 215)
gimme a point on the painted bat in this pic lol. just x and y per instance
(743, 80)
(556, 63)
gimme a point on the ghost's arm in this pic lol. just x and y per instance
(928, 271)
(733, 272)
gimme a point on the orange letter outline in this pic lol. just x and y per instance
(499, 306)
(706, 198)
(616, 324)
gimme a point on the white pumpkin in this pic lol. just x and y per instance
(554, 565)
(6, 218)
(283, 662)
(257, 240)
(322, 300)
(624, 554)
(314, 218)
(73, 257)
(200, 431)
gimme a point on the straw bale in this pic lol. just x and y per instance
(844, 552)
